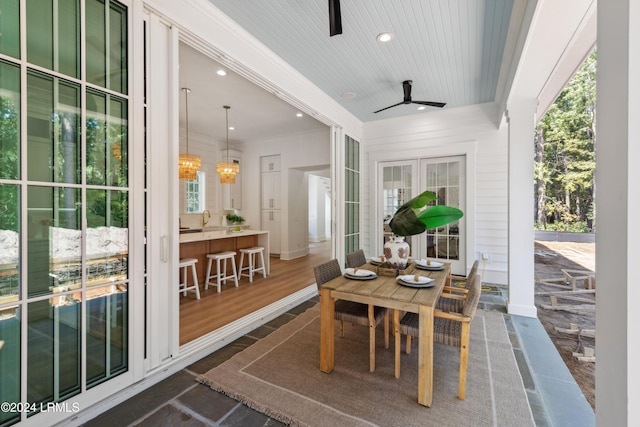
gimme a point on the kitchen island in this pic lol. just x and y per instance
(199, 244)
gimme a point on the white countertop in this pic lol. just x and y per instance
(217, 234)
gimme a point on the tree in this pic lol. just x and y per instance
(565, 141)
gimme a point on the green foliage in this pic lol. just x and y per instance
(565, 153)
(234, 218)
(416, 215)
(573, 227)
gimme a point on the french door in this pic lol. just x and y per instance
(400, 181)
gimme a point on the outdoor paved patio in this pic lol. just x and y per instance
(554, 397)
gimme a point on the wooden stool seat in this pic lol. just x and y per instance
(251, 260)
(183, 286)
(221, 273)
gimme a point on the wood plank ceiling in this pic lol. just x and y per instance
(452, 50)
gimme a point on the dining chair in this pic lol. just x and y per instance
(449, 328)
(353, 312)
(455, 304)
(356, 259)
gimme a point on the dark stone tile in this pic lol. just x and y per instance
(261, 332)
(537, 409)
(244, 416)
(216, 358)
(208, 403)
(280, 320)
(299, 309)
(144, 402)
(521, 361)
(170, 416)
(515, 340)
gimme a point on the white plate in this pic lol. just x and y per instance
(429, 264)
(410, 280)
(376, 260)
(360, 274)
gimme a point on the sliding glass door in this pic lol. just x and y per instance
(64, 188)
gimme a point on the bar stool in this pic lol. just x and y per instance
(252, 252)
(221, 274)
(183, 287)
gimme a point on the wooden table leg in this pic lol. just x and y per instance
(396, 334)
(327, 307)
(372, 339)
(425, 356)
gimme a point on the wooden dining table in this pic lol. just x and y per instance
(384, 291)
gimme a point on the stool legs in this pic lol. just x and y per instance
(221, 272)
(264, 268)
(183, 286)
(252, 263)
(195, 280)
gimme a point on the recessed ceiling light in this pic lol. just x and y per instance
(232, 128)
(299, 115)
(349, 95)
(384, 37)
(422, 107)
(221, 72)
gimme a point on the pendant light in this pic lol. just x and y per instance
(188, 164)
(227, 170)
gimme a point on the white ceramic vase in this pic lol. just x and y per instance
(396, 251)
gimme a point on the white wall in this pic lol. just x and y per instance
(468, 131)
(299, 153)
(209, 151)
(318, 207)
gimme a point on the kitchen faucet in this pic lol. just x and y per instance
(204, 221)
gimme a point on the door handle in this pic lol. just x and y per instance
(164, 250)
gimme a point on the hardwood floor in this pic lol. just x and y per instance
(213, 309)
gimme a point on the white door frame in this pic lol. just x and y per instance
(466, 148)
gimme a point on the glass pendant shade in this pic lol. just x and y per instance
(188, 164)
(227, 170)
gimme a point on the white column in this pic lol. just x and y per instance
(521, 119)
(618, 214)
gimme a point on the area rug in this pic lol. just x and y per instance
(280, 377)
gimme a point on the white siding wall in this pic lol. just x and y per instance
(471, 131)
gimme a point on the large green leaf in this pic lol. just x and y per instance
(437, 216)
(406, 223)
(411, 218)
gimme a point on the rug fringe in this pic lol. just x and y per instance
(252, 404)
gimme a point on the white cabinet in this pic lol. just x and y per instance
(271, 223)
(271, 190)
(271, 201)
(270, 163)
(232, 193)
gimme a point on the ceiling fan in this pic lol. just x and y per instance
(406, 85)
(335, 18)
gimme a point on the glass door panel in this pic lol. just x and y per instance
(64, 270)
(10, 39)
(398, 183)
(445, 178)
(9, 120)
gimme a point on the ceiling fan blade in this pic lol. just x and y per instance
(406, 86)
(390, 106)
(335, 18)
(430, 104)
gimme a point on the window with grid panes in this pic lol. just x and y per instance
(64, 217)
(352, 195)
